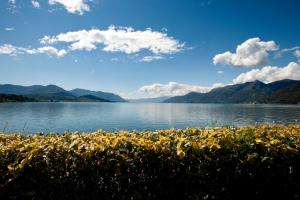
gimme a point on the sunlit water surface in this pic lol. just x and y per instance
(84, 117)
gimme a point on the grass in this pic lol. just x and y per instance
(260, 162)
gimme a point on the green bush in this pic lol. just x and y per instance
(260, 162)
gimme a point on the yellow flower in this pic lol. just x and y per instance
(258, 141)
(180, 153)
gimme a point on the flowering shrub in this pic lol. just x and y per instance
(219, 163)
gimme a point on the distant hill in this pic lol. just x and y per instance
(14, 98)
(91, 98)
(60, 96)
(48, 89)
(55, 93)
(104, 95)
(284, 91)
(149, 100)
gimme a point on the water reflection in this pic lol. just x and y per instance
(59, 117)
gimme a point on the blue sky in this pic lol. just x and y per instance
(171, 47)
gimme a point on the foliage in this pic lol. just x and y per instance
(14, 98)
(217, 163)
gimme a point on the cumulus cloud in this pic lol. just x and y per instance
(297, 54)
(72, 6)
(252, 52)
(220, 72)
(51, 51)
(172, 89)
(270, 74)
(152, 58)
(118, 39)
(9, 28)
(11, 50)
(35, 4)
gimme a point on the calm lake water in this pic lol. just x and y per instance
(83, 117)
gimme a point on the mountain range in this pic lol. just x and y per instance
(149, 100)
(55, 93)
(280, 92)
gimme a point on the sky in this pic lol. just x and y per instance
(148, 48)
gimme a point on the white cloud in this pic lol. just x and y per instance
(220, 72)
(118, 39)
(252, 52)
(11, 50)
(279, 53)
(35, 4)
(171, 89)
(297, 54)
(72, 6)
(152, 58)
(9, 28)
(270, 74)
(12, 6)
(8, 49)
(51, 51)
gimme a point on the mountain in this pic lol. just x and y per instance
(91, 98)
(60, 96)
(17, 89)
(49, 89)
(38, 92)
(149, 100)
(55, 93)
(27, 90)
(284, 91)
(103, 95)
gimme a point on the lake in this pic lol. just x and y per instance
(84, 117)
